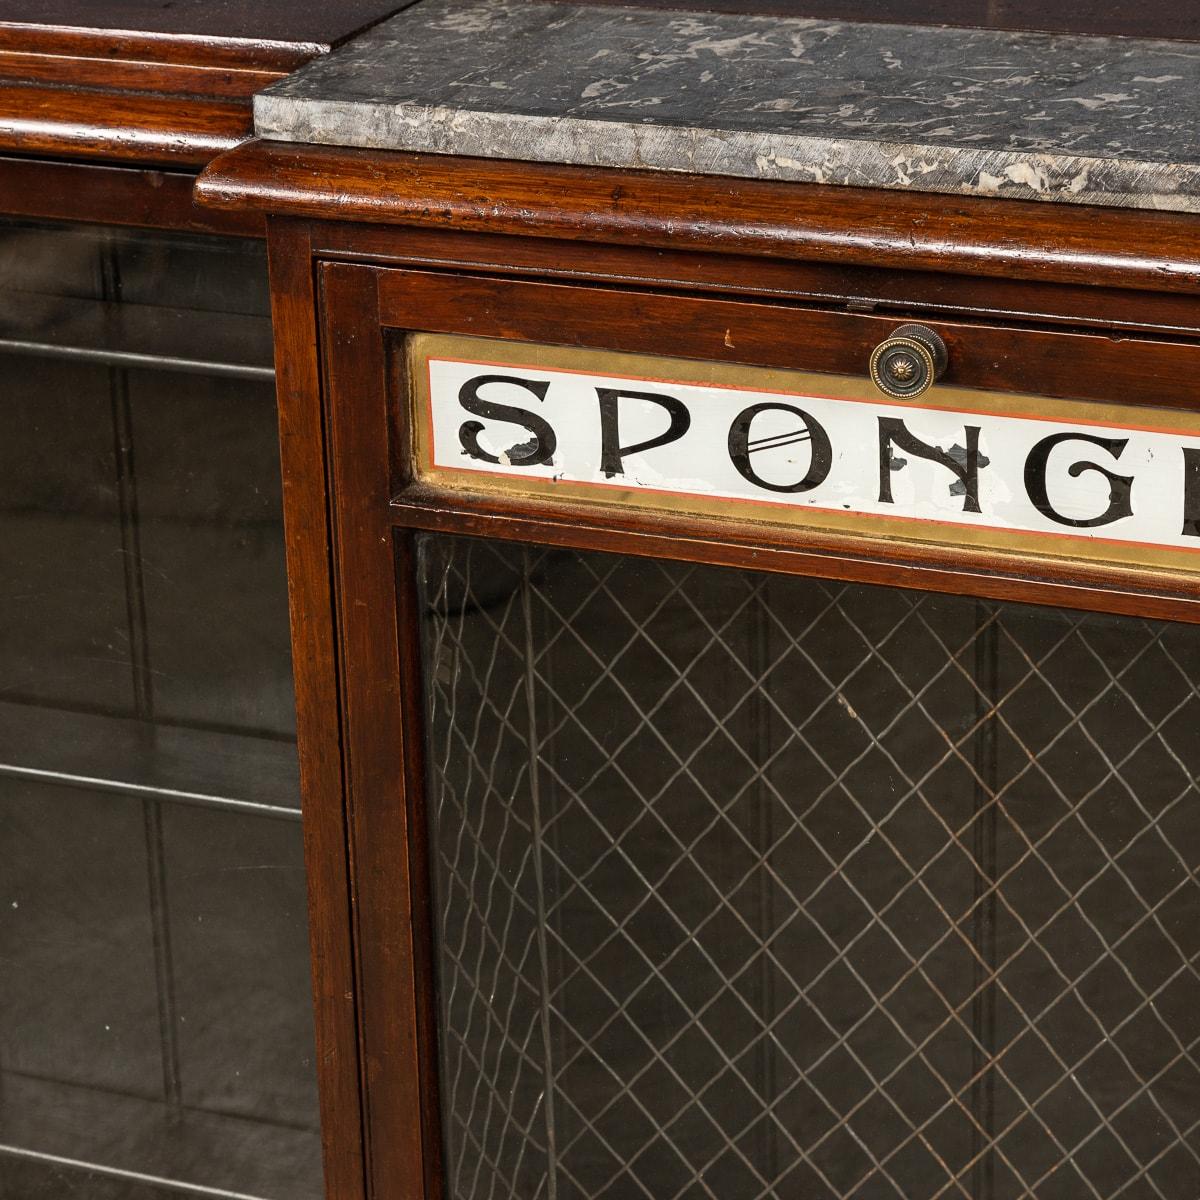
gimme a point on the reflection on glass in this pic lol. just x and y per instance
(155, 1023)
(756, 886)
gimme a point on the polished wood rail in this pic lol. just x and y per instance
(1007, 239)
(150, 82)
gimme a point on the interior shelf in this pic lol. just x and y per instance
(138, 336)
(173, 763)
(179, 1152)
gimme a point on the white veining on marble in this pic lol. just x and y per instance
(1043, 116)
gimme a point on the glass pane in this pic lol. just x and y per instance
(757, 886)
(155, 1012)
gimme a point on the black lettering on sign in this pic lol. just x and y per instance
(612, 453)
(964, 465)
(1120, 496)
(1191, 492)
(536, 450)
(741, 446)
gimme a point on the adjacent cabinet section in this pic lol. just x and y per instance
(155, 1014)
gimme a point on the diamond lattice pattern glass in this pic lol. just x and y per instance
(751, 886)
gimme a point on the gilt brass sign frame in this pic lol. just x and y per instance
(440, 465)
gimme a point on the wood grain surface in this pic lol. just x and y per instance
(151, 82)
(996, 238)
(304, 27)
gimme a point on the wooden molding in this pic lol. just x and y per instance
(1008, 239)
(114, 195)
(152, 83)
(125, 127)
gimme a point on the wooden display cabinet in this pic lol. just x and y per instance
(678, 845)
(678, 821)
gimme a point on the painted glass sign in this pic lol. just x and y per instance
(963, 466)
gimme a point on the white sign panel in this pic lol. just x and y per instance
(953, 462)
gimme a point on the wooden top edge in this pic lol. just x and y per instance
(142, 128)
(250, 34)
(1012, 239)
(70, 41)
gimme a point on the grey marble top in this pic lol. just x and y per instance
(1034, 116)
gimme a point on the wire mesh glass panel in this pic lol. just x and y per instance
(756, 886)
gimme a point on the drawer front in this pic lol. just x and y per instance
(1061, 457)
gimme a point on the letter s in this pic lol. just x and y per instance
(544, 443)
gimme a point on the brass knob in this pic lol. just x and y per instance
(909, 362)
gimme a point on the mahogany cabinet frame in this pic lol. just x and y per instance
(1037, 284)
(101, 194)
(345, 296)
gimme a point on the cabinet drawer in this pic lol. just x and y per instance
(753, 432)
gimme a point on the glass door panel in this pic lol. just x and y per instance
(155, 1012)
(749, 885)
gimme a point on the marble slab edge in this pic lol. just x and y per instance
(945, 169)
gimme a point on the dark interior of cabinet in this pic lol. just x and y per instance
(155, 1013)
(758, 886)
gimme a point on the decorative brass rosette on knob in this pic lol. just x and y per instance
(909, 362)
